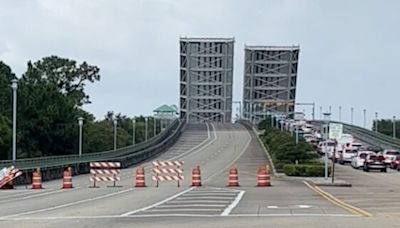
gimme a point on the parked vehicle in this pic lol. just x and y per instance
(376, 149)
(356, 146)
(390, 155)
(358, 160)
(346, 156)
(373, 161)
(326, 147)
(395, 163)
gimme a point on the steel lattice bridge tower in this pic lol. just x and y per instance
(206, 75)
(270, 75)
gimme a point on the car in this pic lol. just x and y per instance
(346, 156)
(356, 146)
(390, 155)
(376, 149)
(374, 161)
(326, 147)
(395, 163)
(358, 160)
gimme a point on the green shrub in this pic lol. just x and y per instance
(305, 170)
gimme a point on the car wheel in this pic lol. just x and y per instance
(384, 170)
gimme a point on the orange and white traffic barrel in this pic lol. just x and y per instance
(37, 179)
(196, 177)
(263, 178)
(67, 178)
(233, 179)
(140, 180)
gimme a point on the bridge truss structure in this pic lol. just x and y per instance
(206, 76)
(270, 76)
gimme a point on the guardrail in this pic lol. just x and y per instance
(140, 149)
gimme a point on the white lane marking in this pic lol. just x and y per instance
(175, 215)
(304, 206)
(184, 209)
(199, 201)
(68, 204)
(228, 210)
(272, 207)
(206, 197)
(191, 205)
(158, 203)
(234, 160)
(38, 195)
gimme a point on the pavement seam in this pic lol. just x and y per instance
(337, 202)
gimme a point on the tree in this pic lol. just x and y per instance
(51, 94)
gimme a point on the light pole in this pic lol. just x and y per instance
(320, 112)
(327, 119)
(340, 113)
(134, 131)
(147, 128)
(115, 134)
(394, 127)
(351, 118)
(330, 109)
(365, 122)
(80, 123)
(14, 86)
(297, 132)
(376, 121)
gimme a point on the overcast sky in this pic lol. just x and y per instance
(349, 49)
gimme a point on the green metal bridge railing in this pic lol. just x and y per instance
(143, 149)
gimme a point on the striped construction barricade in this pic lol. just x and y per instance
(167, 171)
(7, 175)
(105, 172)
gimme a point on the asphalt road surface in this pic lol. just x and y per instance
(215, 148)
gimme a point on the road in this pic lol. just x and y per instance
(215, 148)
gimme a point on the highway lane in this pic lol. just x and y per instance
(375, 192)
(215, 203)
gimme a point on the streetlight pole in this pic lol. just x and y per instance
(351, 111)
(365, 122)
(330, 109)
(80, 123)
(376, 122)
(340, 113)
(14, 86)
(394, 127)
(147, 128)
(115, 134)
(134, 131)
(320, 112)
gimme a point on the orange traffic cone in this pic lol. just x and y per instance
(37, 179)
(263, 178)
(140, 181)
(233, 177)
(67, 178)
(196, 177)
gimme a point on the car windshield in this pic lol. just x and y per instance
(363, 155)
(331, 144)
(393, 153)
(351, 151)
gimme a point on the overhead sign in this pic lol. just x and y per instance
(299, 116)
(335, 131)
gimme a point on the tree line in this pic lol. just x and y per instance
(50, 99)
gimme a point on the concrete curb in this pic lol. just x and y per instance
(266, 152)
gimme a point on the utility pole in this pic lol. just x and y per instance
(376, 122)
(14, 87)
